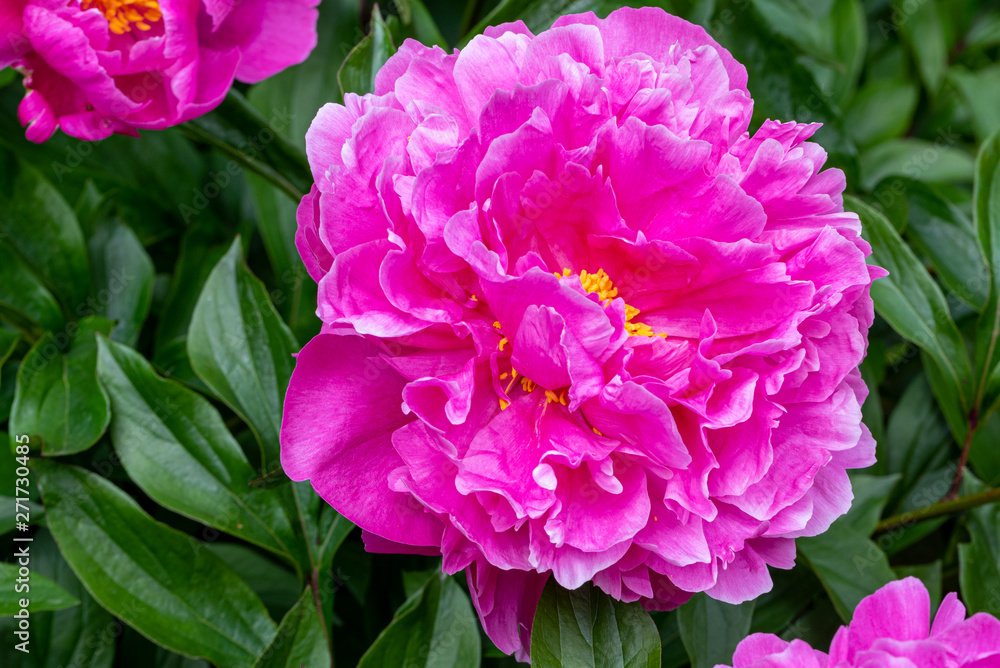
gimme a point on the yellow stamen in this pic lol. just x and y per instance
(601, 285)
(560, 397)
(496, 323)
(528, 384)
(124, 15)
(503, 342)
(504, 404)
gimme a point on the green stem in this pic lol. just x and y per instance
(939, 509)
(256, 166)
(956, 484)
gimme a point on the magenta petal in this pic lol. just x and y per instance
(271, 35)
(950, 613)
(506, 602)
(348, 459)
(900, 610)
(13, 43)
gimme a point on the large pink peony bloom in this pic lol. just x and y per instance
(891, 629)
(577, 322)
(96, 67)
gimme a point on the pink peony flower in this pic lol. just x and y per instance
(891, 629)
(96, 67)
(577, 321)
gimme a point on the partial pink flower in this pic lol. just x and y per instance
(890, 629)
(578, 323)
(96, 67)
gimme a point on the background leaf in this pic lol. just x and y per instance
(41, 592)
(711, 629)
(910, 300)
(300, 640)
(586, 627)
(154, 578)
(848, 564)
(435, 627)
(122, 278)
(357, 74)
(59, 401)
(241, 349)
(41, 227)
(176, 448)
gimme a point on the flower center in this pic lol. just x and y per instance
(601, 285)
(124, 15)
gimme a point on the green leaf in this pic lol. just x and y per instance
(985, 31)
(40, 592)
(781, 86)
(82, 635)
(277, 587)
(984, 455)
(8, 385)
(300, 641)
(586, 627)
(24, 299)
(979, 559)
(912, 303)
(792, 593)
(849, 565)
(37, 222)
(174, 445)
(939, 161)
(871, 494)
(924, 31)
(161, 582)
(981, 90)
(357, 73)
(59, 401)
(881, 110)
(672, 652)
(133, 644)
(539, 15)
(8, 341)
(254, 141)
(201, 248)
(916, 439)
(295, 291)
(435, 627)
(241, 349)
(424, 29)
(122, 274)
(986, 213)
(832, 33)
(711, 629)
(938, 230)
(296, 94)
